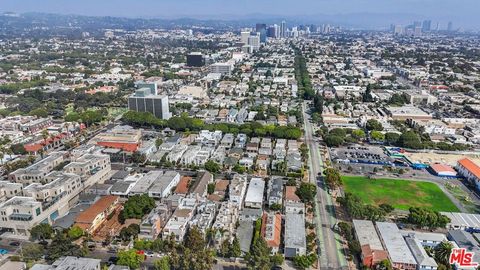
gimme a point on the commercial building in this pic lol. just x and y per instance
(371, 245)
(70, 263)
(144, 101)
(37, 171)
(466, 240)
(295, 239)
(424, 262)
(221, 68)
(126, 139)
(91, 219)
(442, 170)
(399, 253)
(254, 197)
(408, 112)
(470, 170)
(195, 59)
(463, 221)
(164, 184)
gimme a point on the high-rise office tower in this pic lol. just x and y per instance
(426, 26)
(254, 41)
(283, 29)
(244, 36)
(195, 59)
(272, 31)
(262, 29)
(144, 101)
(450, 27)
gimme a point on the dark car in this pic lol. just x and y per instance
(14, 244)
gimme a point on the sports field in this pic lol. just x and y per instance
(401, 194)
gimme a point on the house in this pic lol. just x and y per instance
(152, 224)
(199, 189)
(241, 140)
(272, 230)
(290, 194)
(237, 189)
(275, 191)
(91, 219)
(178, 222)
(204, 217)
(254, 197)
(294, 162)
(227, 141)
(295, 236)
(220, 191)
(225, 221)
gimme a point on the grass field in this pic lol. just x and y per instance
(401, 194)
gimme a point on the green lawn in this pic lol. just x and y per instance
(401, 194)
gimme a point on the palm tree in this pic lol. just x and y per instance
(442, 252)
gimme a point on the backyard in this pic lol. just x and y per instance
(401, 194)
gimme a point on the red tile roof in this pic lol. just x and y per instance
(275, 242)
(182, 187)
(470, 166)
(89, 215)
(442, 168)
(290, 194)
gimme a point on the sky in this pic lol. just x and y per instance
(462, 12)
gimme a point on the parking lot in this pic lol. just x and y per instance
(361, 154)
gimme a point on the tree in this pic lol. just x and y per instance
(410, 139)
(442, 252)
(387, 208)
(138, 157)
(158, 142)
(18, 149)
(358, 134)
(373, 124)
(32, 251)
(392, 138)
(307, 192)
(332, 178)
(235, 250)
(212, 166)
(161, 264)
(211, 188)
(127, 233)
(304, 261)
(39, 112)
(377, 136)
(277, 259)
(137, 206)
(384, 265)
(75, 232)
(239, 169)
(194, 239)
(259, 257)
(423, 217)
(130, 258)
(41, 232)
(62, 246)
(333, 140)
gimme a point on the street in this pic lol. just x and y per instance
(332, 256)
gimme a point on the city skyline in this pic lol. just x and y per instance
(373, 12)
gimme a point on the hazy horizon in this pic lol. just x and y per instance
(462, 14)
